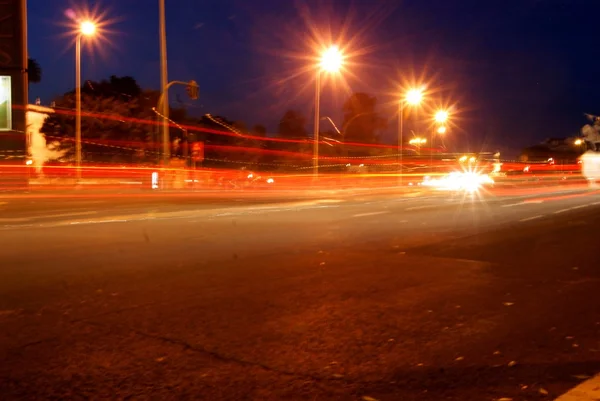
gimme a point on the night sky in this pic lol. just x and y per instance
(515, 71)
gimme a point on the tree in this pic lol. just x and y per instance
(110, 126)
(259, 130)
(292, 125)
(34, 71)
(240, 126)
(362, 122)
(123, 88)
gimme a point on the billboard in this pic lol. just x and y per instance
(13, 72)
(5, 103)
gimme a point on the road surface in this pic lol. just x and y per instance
(414, 296)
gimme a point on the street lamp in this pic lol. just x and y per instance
(412, 97)
(86, 28)
(417, 141)
(331, 61)
(440, 117)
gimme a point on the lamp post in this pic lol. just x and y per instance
(164, 82)
(331, 61)
(413, 97)
(440, 117)
(86, 28)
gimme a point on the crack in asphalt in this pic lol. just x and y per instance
(214, 354)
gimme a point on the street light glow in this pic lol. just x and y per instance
(417, 141)
(441, 130)
(87, 28)
(332, 59)
(414, 96)
(441, 116)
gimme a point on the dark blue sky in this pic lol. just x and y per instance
(517, 70)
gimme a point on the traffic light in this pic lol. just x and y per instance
(192, 89)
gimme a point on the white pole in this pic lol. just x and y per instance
(400, 138)
(316, 125)
(78, 105)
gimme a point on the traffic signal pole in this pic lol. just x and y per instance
(192, 89)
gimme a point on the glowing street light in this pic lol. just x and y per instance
(441, 116)
(86, 28)
(418, 141)
(578, 142)
(331, 61)
(412, 97)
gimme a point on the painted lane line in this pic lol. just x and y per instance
(570, 208)
(80, 223)
(589, 390)
(522, 203)
(568, 196)
(539, 216)
(370, 214)
(421, 207)
(315, 207)
(514, 204)
(15, 219)
(50, 216)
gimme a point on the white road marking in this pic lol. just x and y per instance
(522, 203)
(514, 204)
(589, 390)
(66, 215)
(185, 214)
(421, 207)
(539, 216)
(370, 214)
(45, 216)
(314, 207)
(15, 219)
(75, 223)
(570, 208)
(90, 202)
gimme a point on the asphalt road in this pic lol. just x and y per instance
(413, 296)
